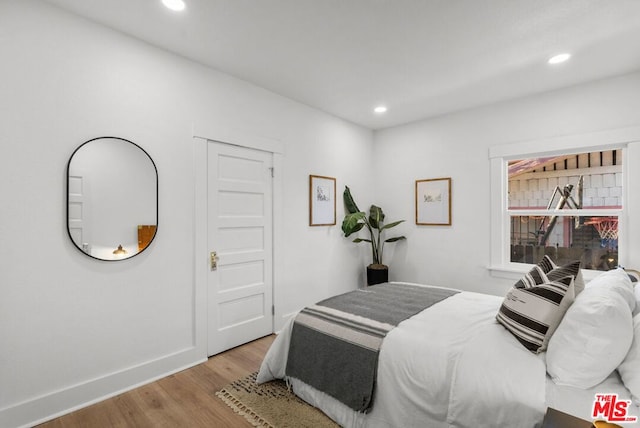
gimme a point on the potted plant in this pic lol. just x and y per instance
(355, 220)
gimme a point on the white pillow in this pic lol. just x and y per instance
(637, 311)
(592, 339)
(616, 280)
(629, 369)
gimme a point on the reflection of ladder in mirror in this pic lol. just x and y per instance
(565, 200)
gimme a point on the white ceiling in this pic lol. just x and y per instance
(421, 58)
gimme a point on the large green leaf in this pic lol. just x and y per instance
(390, 225)
(397, 238)
(349, 203)
(376, 216)
(355, 229)
(352, 223)
(357, 240)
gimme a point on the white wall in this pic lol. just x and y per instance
(73, 329)
(457, 146)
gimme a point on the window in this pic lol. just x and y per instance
(564, 197)
(566, 207)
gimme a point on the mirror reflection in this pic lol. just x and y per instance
(112, 198)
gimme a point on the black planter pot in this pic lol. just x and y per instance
(377, 274)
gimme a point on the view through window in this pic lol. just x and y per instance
(566, 207)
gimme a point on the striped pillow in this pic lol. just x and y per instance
(537, 275)
(547, 270)
(532, 314)
(570, 269)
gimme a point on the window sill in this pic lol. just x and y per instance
(509, 272)
(516, 271)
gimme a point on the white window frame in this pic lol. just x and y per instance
(627, 139)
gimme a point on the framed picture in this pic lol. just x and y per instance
(322, 201)
(433, 202)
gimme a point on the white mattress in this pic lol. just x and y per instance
(451, 365)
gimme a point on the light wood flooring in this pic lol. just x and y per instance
(184, 399)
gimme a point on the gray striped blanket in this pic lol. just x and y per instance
(335, 344)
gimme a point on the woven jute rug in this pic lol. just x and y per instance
(271, 405)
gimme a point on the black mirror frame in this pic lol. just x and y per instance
(157, 199)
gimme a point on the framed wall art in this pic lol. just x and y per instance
(433, 202)
(322, 201)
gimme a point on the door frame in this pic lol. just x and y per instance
(201, 137)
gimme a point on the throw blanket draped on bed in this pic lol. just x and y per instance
(335, 343)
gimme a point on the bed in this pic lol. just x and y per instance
(454, 365)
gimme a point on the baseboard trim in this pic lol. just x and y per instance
(67, 400)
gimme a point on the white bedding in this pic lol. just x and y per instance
(579, 402)
(451, 365)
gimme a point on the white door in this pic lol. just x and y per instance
(240, 229)
(76, 211)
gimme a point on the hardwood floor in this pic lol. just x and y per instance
(184, 399)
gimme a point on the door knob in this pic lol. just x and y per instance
(214, 260)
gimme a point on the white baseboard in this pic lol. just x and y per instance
(67, 400)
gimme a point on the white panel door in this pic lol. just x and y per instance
(240, 229)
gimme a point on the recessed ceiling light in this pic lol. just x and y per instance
(557, 59)
(176, 5)
(380, 109)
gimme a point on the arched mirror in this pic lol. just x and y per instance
(112, 198)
